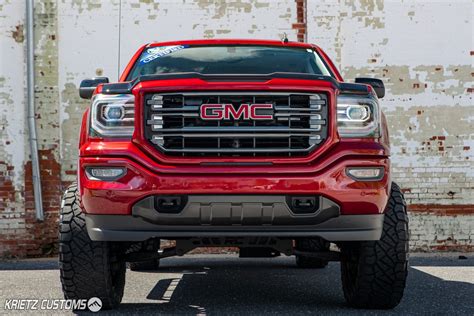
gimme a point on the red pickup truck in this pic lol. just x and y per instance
(258, 145)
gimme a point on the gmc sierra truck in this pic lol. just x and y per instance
(253, 144)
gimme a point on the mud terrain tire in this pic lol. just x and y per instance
(87, 268)
(374, 273)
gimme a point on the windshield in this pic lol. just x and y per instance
(229, 59)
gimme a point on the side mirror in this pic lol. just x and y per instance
(87, 87)
(376, 84)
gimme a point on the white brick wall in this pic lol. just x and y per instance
(430, 232)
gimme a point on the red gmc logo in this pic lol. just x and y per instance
(227, 111)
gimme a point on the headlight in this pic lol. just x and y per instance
(357, 116)
(113, 115)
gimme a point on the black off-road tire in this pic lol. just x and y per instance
(311, 245)
(374, 273)
(87, 268)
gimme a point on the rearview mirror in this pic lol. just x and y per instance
(87, 87)
(376, 84)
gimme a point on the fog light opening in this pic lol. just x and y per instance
(303, 205)
(365, 173)
(172, 204)
(105, 173)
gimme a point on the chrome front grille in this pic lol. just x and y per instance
(174, 126)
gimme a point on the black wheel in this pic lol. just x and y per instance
(87, 268)
(311, 245)
(374, 272)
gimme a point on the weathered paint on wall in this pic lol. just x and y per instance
(12, 123)
(423, 51)
(87, 47)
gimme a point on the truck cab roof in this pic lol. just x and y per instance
(232, 42)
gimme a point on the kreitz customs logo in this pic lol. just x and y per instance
(94, 304)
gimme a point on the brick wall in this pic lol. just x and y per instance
(441, 228)
(423, 51)
(300, 25)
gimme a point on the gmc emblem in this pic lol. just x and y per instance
(227, 111)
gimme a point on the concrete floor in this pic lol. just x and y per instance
(225, 284)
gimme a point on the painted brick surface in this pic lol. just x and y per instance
(422, 50)
(12, 124)
(434, 232)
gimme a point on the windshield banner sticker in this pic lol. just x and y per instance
(156, 52)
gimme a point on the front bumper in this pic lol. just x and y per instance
(111, 206)
(144, 178)
(129, 228)
(235, 216)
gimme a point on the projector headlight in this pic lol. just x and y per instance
(358, 116)
(113, 115)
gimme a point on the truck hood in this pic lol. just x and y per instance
(198, 81)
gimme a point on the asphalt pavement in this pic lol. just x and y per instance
(226, 284)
